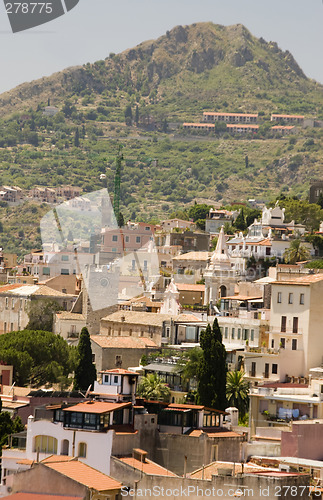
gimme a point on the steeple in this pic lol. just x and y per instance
(220, 254)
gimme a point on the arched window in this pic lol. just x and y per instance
(82, 450)
(46, 444)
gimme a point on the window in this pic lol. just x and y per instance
(12, 303)
(106, 379)
(46, 444)
(239, 333)
(253, 369)
(138, 239)
(282, 343)
(7, 301)
(93, 358)
(301, 299)
(252, 335)
(274, 368)
(232, 333)
(283, 324)
(127, 239)
(82, 450)
(11, 327)
(279, 298)
(115, 379)
(114, 237)
(5, 328)
(295, 325)
(245, 334)
(294, 345)
(266, 374)
(118, 360)
(114, 249)
(20, 304)
(272, 344)
(65, 271)
(226, 332)
(290, 298)
(65, 258)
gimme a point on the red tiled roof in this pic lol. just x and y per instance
(229, 114)
(185, 287)
(120, 371)
(83, 474)
(186, 407)
(242, 297)
(39, 496)
(282, 127)
(240, 125)
(147, 467)
(207, 125)
(96, 407)
(301, 280)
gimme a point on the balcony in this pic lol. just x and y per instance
(285, 331)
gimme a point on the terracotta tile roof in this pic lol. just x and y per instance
(144, 299)
(70, 315)
(25, 461)
(301, 280)
(282, 127)
(96, 407)
(120, 371)
(287, 116)
(186, 407)
(123, 342)
(242, 297)
(202, 125)
(83, 474)
(266, 242)
(183, 287)
(210, 113)
(241, 125)
(147, 467)
(27, 290)
(204, 256)
(137, 317)
(39, 496)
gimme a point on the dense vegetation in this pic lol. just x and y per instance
(38, 357)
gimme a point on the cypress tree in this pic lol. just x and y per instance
(212, 369)
(85, 373)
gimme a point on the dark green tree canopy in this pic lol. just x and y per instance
(212, 369)
(38, 357)
(41, 314)
(85, 372)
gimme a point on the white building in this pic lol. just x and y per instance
(84, 430)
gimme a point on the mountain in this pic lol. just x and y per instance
(188, 70)
(166, 81)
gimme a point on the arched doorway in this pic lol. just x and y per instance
(222, 291)
(64, 447)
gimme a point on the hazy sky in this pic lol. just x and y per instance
(94, 28)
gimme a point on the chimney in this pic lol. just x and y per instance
(140, 455)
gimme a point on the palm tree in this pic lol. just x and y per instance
(238, 391)
(296, 252)
(153, 388)
(188, 363)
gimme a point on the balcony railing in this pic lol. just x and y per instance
(285, 331)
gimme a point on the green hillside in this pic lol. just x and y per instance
(136, 98)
